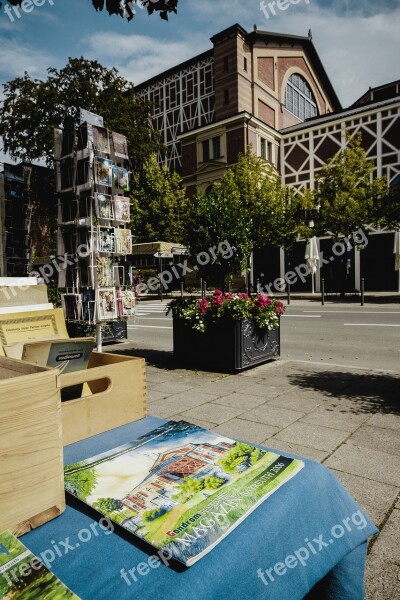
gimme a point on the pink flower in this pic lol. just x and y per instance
(280, 304)
(217, 293)
(228, 296)
(203, 305)
(263, 300)
(243, 296)
(279, 310)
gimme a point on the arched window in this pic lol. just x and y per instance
(299, 99)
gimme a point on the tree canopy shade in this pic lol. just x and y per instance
(32, 108)
(126, 8)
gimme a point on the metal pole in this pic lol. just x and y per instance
(161, 291)
(204, 288)
(362, 290)
(181, 289)
(288, 293)
(98, 337)
(201, 287)
(322, 291)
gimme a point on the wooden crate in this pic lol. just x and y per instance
(117, 395)
(31, 457)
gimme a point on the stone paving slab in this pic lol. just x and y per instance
(165, 408)
(240, 400)
(320, 438)
(382, 579)
(153, 395)
(365, 462)
(300, 402)
(311, 453)
(262, 391)
(387, 544)
(199, 422)
(376, 438)
(328, 416)
(192, 398)
(385, 421)
(271, 415)
(215, 413)
(248, 431)
(374, 497)
(171, 387)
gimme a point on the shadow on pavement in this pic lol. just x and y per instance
(369, 392)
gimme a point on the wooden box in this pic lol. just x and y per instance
(115, 395)
(31, 456)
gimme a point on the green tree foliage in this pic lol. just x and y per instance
(82, 481)
(213, 483)
(273, 209)
(238, 456)
(159, 203)
(213, 218)
(108, 505)
(188, 488)
(32, 108)
(249, 208)
(154, 513)
(346, 194)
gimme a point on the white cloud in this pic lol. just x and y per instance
(16, 58)
(139, 57)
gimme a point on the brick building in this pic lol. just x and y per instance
(272, 91)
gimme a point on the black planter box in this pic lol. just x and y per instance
(227, 346)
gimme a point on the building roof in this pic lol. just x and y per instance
(379, 93)
(176, 69)
(309, 48)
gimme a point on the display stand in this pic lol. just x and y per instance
(92, 172)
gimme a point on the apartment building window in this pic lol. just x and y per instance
(265, 149)
(299, 99)
(226, 63)
(226, 96)
(206, 150)
(216, 142)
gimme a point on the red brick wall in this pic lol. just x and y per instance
(265, 67)
(189, 159)
(235, 143)
(266, 113)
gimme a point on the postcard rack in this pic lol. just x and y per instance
(92, 182)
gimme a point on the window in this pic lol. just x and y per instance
(299, 99)
(265, 149)
(226, 63)
(206, 150)
(245, 63)
(216, 147)
(226, 96)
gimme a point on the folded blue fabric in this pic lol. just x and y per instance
(309, 531)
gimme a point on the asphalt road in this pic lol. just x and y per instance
(346, 335)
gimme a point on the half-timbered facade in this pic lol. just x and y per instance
(271, 91)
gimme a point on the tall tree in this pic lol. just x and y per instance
(346, 193)
(32, 108)
(159, 203)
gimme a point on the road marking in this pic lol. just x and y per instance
(304, 316)
(147, 327)
(352, 312)
(370, 325)
(153, 318)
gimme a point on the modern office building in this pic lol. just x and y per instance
(272, 91)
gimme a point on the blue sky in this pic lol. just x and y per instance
(358, 41)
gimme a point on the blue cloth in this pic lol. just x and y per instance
(310, 530)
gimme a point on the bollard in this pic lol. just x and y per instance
(362, 291)
(288, 293)
(181, 289)
(322, 291)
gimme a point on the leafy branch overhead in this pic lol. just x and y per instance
(126, 8)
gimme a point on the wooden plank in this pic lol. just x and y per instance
(31, 460)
